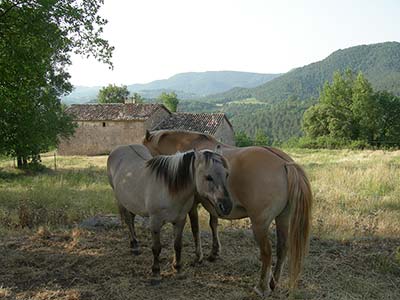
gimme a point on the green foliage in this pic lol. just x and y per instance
(36, 39)
(279, 121)
(242, 139)
(349, 112)
(170, 100)
(137, 98)
(113, 94)
(260, 138)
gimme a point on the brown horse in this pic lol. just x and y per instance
(264, 184)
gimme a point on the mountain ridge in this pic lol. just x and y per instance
(187, 85)
(379, 62)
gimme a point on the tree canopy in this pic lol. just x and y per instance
(113, 94)
(348, 109)
(170, 100)
(36, 41)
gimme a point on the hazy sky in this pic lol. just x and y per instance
(155, 39)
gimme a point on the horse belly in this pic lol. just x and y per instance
(238, 212)
(131, 198)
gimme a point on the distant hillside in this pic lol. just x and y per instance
(206, 83)
(380, 63)
(82, 94)
(186, 85)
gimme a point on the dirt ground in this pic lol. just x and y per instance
(82, 264)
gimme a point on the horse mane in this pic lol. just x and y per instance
(176, 171)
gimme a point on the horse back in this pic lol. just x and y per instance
(126, 157)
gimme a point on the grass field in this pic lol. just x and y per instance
(354, 254)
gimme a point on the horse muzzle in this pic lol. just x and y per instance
(224, 206)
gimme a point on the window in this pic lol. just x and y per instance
(104, 124)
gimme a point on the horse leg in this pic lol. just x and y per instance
(155, 227)
(178, 229)
(282, 231)
(216, 245)
(194, 223)
(263, 289)
(129, 219)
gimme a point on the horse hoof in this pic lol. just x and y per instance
(177, 268)
(262, 294)
(181, 276)
(197, 261)
(212, 257)
(272, 284)
(136, 251)
(155, 281)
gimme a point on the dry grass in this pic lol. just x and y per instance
(355, 250)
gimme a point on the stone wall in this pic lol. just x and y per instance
(225, 133)
(100, 137)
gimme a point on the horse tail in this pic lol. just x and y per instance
(300, 203)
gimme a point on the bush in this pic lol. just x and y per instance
(327, 142)
(359, 145)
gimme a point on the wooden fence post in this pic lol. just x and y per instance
(55, 162)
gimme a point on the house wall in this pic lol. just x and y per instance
(225, 133)
(91, 138)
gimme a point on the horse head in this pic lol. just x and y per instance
(211, 173)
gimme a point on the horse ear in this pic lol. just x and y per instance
(147, 137)
(197, 154)
(218, 149)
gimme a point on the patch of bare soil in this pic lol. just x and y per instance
(83, 264)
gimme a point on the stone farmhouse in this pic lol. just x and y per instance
(102, 127)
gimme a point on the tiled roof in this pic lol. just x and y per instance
(201, 122)
(114, 111)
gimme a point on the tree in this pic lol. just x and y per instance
(260, 138)
(333, 114)
(137, 98)
(389, 121)
(366, 109)
(350, 110)
(113, 94)
(242, 139)
(170, 100)
(36, 41)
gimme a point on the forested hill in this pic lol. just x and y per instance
(206, 83)
(380, 64)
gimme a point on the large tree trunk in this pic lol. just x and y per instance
(19, 162)
(22, 162)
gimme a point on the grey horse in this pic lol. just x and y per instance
(163, 188)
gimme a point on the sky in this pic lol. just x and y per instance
(155, 39)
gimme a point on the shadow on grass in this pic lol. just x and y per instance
(99, 265)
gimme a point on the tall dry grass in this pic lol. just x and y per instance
(357, 193)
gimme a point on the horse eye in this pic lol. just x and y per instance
(227, 175)
(209, 178)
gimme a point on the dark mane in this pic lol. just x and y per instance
(176, 171)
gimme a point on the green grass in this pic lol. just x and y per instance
(76, 190)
